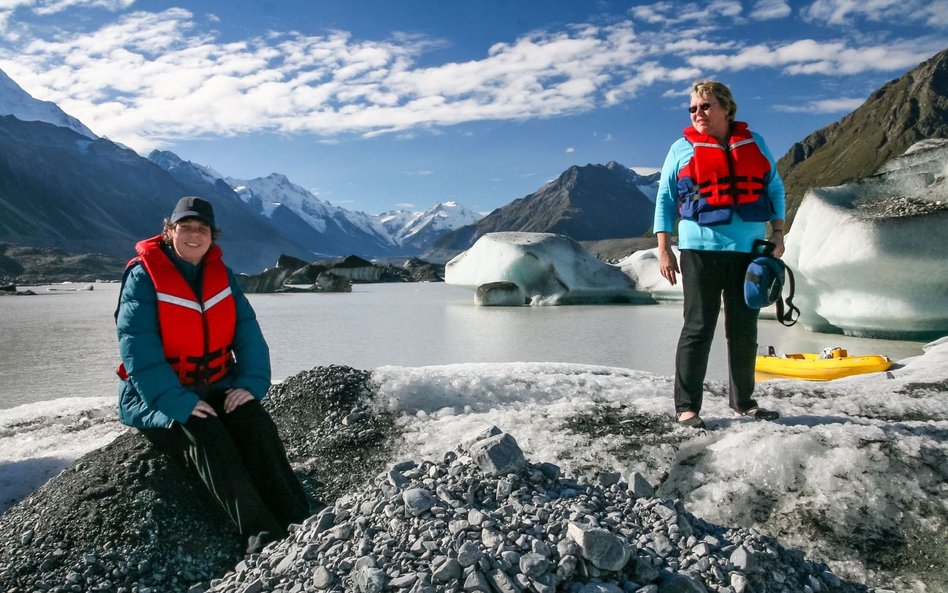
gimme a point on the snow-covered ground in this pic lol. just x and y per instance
(867, 451)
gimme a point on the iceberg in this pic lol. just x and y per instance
(642, 267)
(550, 269)
(869, 256)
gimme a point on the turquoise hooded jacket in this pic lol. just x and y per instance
(152, 397)
(738, 235)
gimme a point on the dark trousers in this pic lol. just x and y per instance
(706, 277)
(242, 462)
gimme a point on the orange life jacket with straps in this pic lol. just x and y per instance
(197, 333)
(721, 180)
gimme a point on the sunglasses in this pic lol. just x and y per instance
(703, 107)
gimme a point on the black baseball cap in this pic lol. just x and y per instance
(193, 207)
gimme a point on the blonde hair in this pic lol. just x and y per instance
(718, 90)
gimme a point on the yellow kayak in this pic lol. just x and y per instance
(809, 366)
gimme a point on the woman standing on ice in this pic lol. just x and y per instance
(722, 181)
(194, 368)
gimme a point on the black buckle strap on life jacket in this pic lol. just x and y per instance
(791, 315)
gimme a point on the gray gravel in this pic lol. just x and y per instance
(484, 519)
(123, 519)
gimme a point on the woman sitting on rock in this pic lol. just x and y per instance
(194, 368)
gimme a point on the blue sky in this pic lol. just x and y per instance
(384, 104)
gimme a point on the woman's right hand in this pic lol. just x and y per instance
(668, 265)
(202, 409)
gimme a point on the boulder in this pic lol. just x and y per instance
(503, 294)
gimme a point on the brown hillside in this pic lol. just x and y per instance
(904, 111)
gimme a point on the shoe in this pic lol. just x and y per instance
(692, 422)
(759, 414)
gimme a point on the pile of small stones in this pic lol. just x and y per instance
(902, 206)
(484, 519)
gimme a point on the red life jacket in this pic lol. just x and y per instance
(197, 334)
(719, 180)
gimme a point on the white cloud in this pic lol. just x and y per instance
(148, 79)
(569, 150)
(151, 77)
(675, 13)
(815, 57)
(765, 10)
(841, 105)
(845, 12)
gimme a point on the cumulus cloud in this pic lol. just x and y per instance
(845, 12)
(148, 79)
(808, 56)
(840, 105)
(151, 77)
(766, 10)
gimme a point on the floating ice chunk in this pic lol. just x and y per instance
(550, 269)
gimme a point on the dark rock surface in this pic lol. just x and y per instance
(124, 518)
(43, 265)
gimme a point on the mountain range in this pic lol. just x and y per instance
(589, 203)
(63, 187)
(914, 107)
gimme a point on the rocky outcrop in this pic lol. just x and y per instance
(336, 275)
(125, 518)
(37, 265)
(901, 113)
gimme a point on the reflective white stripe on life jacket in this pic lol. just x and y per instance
(742, 143)
(217, 298)
(191, 304)
(173, 300)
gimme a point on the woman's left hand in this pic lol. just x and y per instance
(777, 240)
(236, 397)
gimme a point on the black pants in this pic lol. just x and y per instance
(241, 460)
(707, 276)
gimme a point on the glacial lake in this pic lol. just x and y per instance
(61, 343)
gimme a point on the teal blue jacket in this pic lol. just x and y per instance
(738, 235)
(152, 397)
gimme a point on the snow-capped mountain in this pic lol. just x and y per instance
(339, 231)
(172, 163)
(21, 105)
(420, 230)
(398, 232)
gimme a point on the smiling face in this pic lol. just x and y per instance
(709, 116)
(191, 238)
